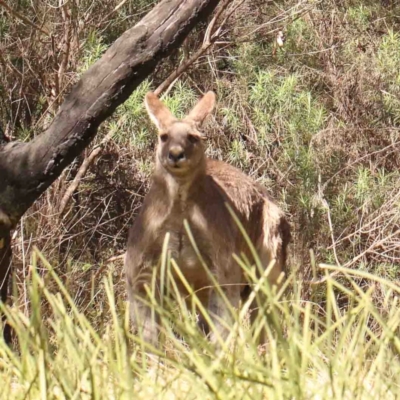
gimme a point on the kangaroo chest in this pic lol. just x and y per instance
(180, 243)
(209, 224)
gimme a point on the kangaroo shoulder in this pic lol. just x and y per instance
(241, 190)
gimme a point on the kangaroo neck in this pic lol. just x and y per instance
(178, 187)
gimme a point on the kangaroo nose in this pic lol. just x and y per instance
(176, 153)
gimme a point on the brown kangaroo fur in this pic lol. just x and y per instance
(187, 185)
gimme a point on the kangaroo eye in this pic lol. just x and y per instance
(193, 138)
(164, 137)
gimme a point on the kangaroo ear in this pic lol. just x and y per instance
(158, 112)
(202, 109)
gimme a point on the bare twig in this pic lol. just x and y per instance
(291, 14)
(56, 92)
(209, 39)
(82, 172)
(328, 210)
(182, 68)
(117, 7)
(115, 258)
(325, 204)
(315, 282)
(358, 160)
(66, 44)
(108, 261)
(22, 18)
(372, 247)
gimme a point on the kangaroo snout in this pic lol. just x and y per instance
(176, 154)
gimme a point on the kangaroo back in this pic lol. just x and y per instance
(264, 221)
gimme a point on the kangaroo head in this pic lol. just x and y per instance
(180, 144)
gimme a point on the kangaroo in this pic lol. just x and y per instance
(188, 186)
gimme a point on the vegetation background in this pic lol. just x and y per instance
(315, 120)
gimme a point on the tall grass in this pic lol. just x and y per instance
(313, 351)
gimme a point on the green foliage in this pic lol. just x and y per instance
(93, 50)
(237, 154)
(388, 59)
(359, 16)
(131, 123)
(182, 99)
(4, 26)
